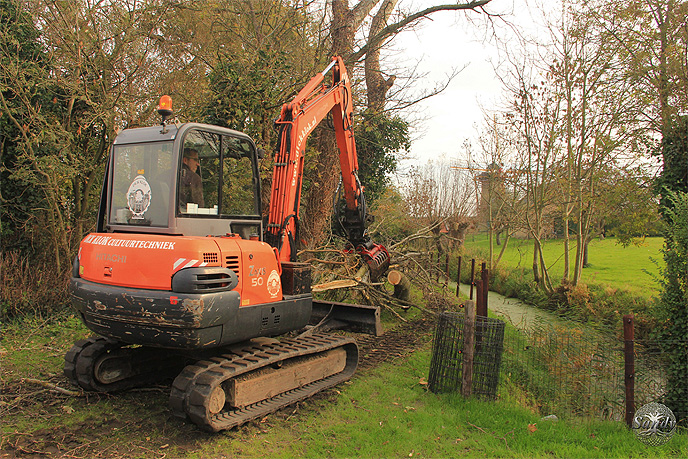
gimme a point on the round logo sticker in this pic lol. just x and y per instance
(654, 424)
(274, 283)
(139, 197)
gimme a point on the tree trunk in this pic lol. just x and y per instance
(567, 262)
(376, 84)
(536, 270)
(342, 29)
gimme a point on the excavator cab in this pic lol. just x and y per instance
(191, 180)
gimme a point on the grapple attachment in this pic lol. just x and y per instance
(376, 257)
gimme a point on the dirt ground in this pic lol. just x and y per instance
(116, 424)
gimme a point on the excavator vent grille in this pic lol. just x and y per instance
(232, 262)
(210, 257)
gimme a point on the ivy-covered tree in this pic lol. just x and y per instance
(674, 175)
(246, 93)
(379, 139)
(21, 54)
(672, 331)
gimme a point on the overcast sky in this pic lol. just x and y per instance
(449, 42)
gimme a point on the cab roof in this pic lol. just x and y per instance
(170, 132)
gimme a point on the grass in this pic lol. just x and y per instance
(384, 412)
(634, 268)
(389, 413)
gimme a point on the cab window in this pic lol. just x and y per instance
(239, 185)
(199, 174)
(217, 176)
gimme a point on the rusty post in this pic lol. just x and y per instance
(470, 297)
(458, 276)
(478, 296)
(446, 266)
(485, 287)
(629, 368)
(468, 349)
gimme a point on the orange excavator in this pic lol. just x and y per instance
(184, 277)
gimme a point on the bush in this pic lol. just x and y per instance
(30, 287)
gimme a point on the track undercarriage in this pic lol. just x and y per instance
(238, 384)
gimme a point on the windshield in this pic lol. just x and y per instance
(141, 178)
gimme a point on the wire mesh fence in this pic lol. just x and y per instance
(567, 369)
(447, 363)
(572, 370)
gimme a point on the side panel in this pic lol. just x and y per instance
(256, 265)
(145, 261)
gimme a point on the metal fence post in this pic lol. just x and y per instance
(485, 286)
(470, 297)
(458, 277)
(446, 266)
(468, 350)
(629, 367)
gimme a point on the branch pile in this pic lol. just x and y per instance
(339, 276)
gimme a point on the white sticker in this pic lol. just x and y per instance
(273, 283)
(139, 197)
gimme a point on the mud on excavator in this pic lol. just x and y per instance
(184, 277)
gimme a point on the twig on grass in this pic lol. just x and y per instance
(53, 387)
(493, 434)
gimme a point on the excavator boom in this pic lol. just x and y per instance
(297, 120)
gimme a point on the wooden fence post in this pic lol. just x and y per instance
(468, 346)
(629, 368)
(458, 277)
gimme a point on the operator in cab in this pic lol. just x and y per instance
(190, 184)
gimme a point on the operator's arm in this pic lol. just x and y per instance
(197, 190)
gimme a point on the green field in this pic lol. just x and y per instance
(634, 268)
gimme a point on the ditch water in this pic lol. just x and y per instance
(514, 311)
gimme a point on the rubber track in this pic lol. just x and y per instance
(81, 358)
(192, 388)
(73, 369)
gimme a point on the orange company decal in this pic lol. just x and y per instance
(129, 243)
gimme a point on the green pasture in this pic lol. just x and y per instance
(634, 268)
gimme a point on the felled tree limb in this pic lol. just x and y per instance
(401, 283)
(333, 285)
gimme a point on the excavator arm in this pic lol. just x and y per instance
(297, 120)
